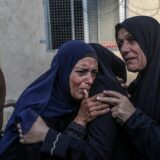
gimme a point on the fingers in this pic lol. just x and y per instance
(117, 115)
(113, 94)
(94, 98)
(108, 100)
(21, 140)
(99, 107)
(19, 128)
(96, 111)
(86, 95)
(95, 114)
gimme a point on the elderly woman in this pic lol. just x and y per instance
(100, 137)
(138, 39)
(55, 96)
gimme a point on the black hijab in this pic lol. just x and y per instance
(145, 89)
(110, 67)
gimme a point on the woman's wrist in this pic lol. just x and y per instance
(80, 121)
(75, 130)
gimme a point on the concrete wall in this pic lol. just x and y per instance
(22, 57)
(108, 17)
(143, 7)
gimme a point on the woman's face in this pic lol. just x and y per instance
(131, 52)
(82, 77)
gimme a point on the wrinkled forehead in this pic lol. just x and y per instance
(123, 34)
(87, 62)
(131, 29)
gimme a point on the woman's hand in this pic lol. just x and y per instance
(123, 85)
(89, 109)
(121, 81)
(121, 108)
(37, 132)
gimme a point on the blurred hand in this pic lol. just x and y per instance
(37, 132)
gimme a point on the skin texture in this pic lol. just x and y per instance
(82, 77)
(131, 52)
(135, 60)
(122, 107)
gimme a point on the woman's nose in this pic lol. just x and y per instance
(125, 49)
(90, 78)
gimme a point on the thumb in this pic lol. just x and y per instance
(86, 95)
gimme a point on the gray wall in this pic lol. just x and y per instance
(102, 17)
(22, 57)
(108, 17)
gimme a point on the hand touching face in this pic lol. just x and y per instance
(82, 77)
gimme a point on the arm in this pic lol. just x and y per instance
(145, 134)
(98, 143)
(101, 136)
(143, 131)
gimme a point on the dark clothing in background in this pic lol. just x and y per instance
(144, 125)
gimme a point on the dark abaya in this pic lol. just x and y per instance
(144, 125)
(105, 140)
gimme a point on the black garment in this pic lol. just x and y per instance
(143, 126)
(102, 140)
(99, 143)
(18, 151)
(109, 61)
(145, 135)
(105, 140)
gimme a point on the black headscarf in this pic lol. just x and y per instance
(145, 89)
(110, 67)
